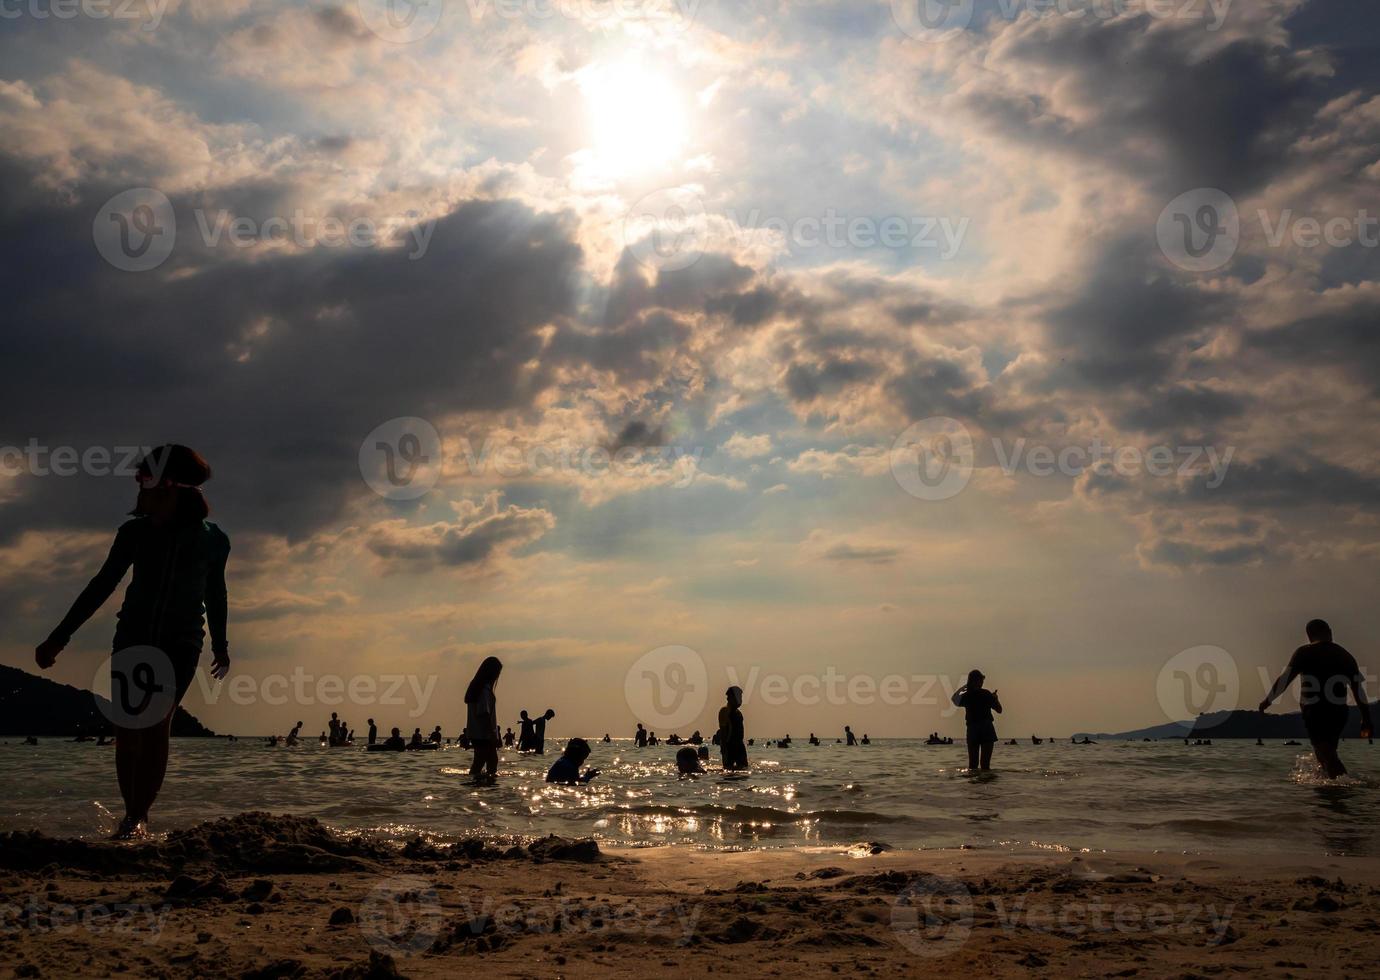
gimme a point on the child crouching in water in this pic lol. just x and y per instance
(566, 769)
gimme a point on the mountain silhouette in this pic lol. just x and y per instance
(33, 705)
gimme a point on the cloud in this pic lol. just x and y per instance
(484, 533)
(743, 446)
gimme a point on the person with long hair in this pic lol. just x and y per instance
(177, 593)
(978, 703)
(481, 720)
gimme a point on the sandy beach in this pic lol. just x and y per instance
(262, 896)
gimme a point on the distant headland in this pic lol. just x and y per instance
(32, 705)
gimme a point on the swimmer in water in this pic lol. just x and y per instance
(978, 703)
(566, 769)
(688, 762)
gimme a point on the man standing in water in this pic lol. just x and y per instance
(1327, 671)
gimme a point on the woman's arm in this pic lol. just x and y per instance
(217, 609)
(97, 591)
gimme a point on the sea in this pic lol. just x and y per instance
(1228, 798)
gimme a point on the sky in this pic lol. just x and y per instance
(831, 349)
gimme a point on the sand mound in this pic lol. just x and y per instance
(247, 843)
(261, 843)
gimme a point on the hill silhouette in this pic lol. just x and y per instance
(1241, 723)
(33, 705)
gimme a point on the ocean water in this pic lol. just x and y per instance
(1226, 798)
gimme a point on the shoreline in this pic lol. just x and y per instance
(277, 896)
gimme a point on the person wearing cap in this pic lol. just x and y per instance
(177, 594)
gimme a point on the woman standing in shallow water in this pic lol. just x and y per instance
(178, 587)
(481, 720)
(978, 704)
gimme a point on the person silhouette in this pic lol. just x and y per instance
(526, 732)
(732, 749)
(539, 732)
(566, 769)
(640, 740)
(688, 762)
(508, 739)
(1327, 671)
(978, 705)
(848, 734)
(481, 721)
(179, 559)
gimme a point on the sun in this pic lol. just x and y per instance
(635, 117)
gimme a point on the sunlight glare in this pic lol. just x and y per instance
(636, 118)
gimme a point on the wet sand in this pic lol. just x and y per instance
(261, 896)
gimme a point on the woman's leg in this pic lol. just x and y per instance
(972, 753)
(141, 763)
(987, 754)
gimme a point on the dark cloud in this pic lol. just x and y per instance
(1173, 111)
(1129, 320)
(1175, 408)
(806, 382)
(275, 369)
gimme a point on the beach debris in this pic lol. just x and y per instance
(869, 849)
(258, 890)
(188, 890)
(556, 848)
(341, 917)
(379, 966)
